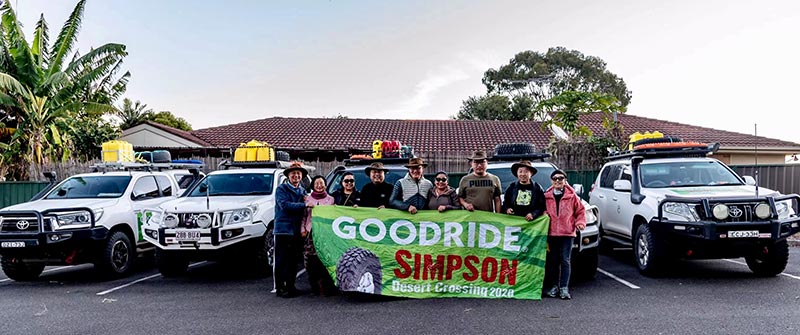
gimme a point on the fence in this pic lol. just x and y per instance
(15, 192)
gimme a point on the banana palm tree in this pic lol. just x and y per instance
(45, 90)
(133, 113)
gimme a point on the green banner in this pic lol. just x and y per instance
(430, 254)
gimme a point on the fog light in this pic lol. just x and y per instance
(679, 227)
(720, 212)
(228, 234)
(171, 221)
(763, 211)
(585, 241)
(55, 237)
(203, 221)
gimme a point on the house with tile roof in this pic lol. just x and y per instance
(336, 139)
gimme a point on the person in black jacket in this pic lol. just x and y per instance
(524, 197)
(347, 195)
(376, 194)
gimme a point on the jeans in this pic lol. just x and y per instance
(557, 268)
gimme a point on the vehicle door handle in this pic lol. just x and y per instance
(601, 196)
(614, 198)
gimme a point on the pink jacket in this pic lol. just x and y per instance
(306, 227)
(570, 212)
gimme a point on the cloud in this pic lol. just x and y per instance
(425, 91)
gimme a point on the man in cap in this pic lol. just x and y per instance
(290, 206)
(377, 192)
(524, 197)
(480, 189)
(411, 192)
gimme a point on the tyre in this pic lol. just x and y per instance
(770, 261)
(264, 259)
(20, 270)
(359, 270)
(514, 149)
(584, 264)
(282, 156)
(171, 263)
(649, 252)
(117, 255)
(665, 139)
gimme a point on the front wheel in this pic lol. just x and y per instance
(265, 254)
(770, 261)
(20, 270)
(117, 255)
(649, 252)
(171, 263)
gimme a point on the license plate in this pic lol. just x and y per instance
(742, 233)
(187, 235)
(12, 244)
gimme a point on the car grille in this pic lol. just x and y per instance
(20, 225)
(737, 212)
(189, 220)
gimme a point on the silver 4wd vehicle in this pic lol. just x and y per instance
(228, 215)
(586, 243)
(673, 202)
(356, 166)
(87, 218)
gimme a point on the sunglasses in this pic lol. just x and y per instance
(559, 178)
(349, 181)
(441, 179)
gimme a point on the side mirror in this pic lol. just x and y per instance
(622, 185)
(578, 189)
(203, 188)
(749, 180)
(51, 176)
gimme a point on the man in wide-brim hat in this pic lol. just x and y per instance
(411, 192)
(524, 197)
(377, 192)
(480, 189)
(290, 206)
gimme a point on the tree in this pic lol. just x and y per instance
(46, 90)
(133, 114)
(532, 77)
(567, 108)
(168, 119)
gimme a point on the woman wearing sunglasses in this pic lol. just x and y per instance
(347, 195)
(442, 197)
(566, 215)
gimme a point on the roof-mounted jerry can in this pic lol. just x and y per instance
(639, 136)
(377, 149)
(254, 151)
(117, 151)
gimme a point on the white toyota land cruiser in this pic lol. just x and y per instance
(87, 218)
(670, 201)
(228, 215)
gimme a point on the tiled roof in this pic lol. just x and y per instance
(180, 133)
(441, 135)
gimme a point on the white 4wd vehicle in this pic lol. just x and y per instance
(586, 243)
(87, 218)
(227, 215)
(674, 202)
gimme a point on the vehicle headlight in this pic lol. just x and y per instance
(679, 211)
(170, 221)
(155, 218)
(591, 218)
(784, 209)
(720, 211)
(762, 211)
(74, 219)
(237, 216)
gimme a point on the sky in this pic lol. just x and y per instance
(728, 65)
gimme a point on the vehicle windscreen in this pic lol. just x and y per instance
(91, 187)
(684, 174)
(234, 184)
(393, 175)
(542, 176)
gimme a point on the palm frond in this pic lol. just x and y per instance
(41, 41)
(119, 87)
(12, 85)
(7, 100)
(25, 67)
(66, 38)
(89, 108)
(89, 60)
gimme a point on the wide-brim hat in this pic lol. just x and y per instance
(414, 162)
(523, 164)
(478, 155)
(375, 166)
(296, 166)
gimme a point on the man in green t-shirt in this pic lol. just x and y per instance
(480, 190)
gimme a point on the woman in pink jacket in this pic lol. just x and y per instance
(321, 282)
(566, 215)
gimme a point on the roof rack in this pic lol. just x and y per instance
(131, 166)
(225, 164)
(666, 152)
(518, 157)
(352, 162)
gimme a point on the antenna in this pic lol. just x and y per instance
(755, 141)
(208, 198)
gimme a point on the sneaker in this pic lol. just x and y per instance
(553, 292)
(565, 294)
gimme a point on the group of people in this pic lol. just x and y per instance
(479, 190)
